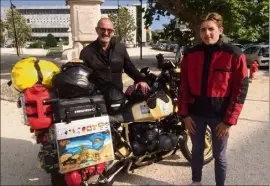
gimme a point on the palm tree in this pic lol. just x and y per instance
(83, 153)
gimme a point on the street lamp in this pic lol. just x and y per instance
(118, 21)
(141, 32)
(14, 28)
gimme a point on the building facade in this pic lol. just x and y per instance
(55, 20)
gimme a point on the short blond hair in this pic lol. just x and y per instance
(212, 16)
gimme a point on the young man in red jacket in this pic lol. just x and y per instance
(213, 88)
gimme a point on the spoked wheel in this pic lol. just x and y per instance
(57, 179)
(186, 147)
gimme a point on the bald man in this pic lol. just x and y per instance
(108, 59)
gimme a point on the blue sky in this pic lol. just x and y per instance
(155, 25)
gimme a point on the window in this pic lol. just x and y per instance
(28, 21)
(264, 52)
(251, 50)
(49, 30)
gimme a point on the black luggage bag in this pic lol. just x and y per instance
(67, 110)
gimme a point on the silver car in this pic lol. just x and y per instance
(259, 53)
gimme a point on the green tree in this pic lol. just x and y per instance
(51, 41)
(23, 30)
(155, 36)
(243, 19)
(2, 30)
(173, 34)
(147, 37)
(126, 24)
(37, 44)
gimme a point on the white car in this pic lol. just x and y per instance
(259, 53)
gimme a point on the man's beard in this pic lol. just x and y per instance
(105, 39)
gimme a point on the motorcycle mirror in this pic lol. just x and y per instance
(172, 63)
(160, 56)
(145, 70)
(168, 65)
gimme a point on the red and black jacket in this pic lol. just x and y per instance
(214, 82)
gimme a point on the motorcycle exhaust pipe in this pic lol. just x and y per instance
(139, 161)
(128, 168)
(141, 164)
(168, 154)
(181, 138)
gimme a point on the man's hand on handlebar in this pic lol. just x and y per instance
(144, 87)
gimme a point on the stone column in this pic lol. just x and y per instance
(84, 15)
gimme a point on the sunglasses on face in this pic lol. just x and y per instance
(106, 29)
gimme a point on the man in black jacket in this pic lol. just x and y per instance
(108, 59)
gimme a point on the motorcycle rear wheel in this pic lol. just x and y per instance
(57, 179)
(208, 153)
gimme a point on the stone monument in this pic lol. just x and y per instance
(84, 15)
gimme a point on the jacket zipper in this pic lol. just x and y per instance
(109, 67)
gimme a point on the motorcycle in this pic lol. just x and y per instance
(148, 130)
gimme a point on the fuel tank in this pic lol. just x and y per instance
(154, 108)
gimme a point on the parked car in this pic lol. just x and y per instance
(247, 46)
(162, 46)
(154, 45)
(169, 47)
(237, 44)
(254, 43)
(175, 48)
(259, 53)
(179, 54)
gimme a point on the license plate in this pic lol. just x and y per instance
(83, 143)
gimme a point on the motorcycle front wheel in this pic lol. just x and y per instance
(186, 147)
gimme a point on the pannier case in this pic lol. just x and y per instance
(67, 110)
(83, 143)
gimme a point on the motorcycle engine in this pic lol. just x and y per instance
(146, 138)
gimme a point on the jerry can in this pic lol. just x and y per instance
(39, 115)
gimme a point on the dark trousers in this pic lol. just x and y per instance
(198, 145)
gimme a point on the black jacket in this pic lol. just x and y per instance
(108, 66)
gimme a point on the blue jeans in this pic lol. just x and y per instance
(198, 145)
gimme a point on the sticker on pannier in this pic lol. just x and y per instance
(84, 143)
